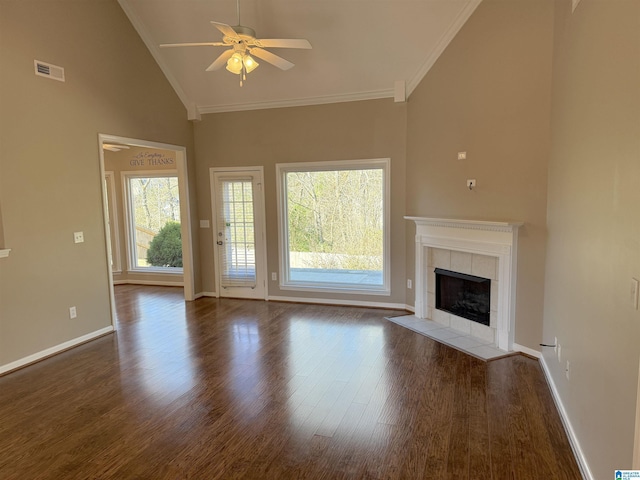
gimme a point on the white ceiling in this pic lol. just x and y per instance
(361, 48)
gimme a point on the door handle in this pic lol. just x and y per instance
(219, 242)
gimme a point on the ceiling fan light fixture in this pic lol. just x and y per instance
(242, 42)
(234, 64)
(249, 63)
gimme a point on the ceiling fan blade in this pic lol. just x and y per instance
(198, 44)
(112, 147)
(279, 62)
(220, 61)
(225, 29)
(284, 43)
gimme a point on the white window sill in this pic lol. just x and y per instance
(156, 271)
(342, 289)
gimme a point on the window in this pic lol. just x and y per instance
(153, 227)
(334, 227)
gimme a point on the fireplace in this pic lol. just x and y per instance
(477, 248)
(467, 296)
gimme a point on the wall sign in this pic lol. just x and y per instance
(151, 159)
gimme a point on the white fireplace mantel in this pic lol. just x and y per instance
(496, 239)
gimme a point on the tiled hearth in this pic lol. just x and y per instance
(482, 349)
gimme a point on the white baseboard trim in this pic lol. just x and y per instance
(53, 350)
(347, 303)
(324, 301)
(158, 283)
(573, 439)
(410, 308)
(529, 351)
(206, 294)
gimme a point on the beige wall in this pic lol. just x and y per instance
(49, 159)
(489, 95)
(132, 160)
(1, 228)
(569, 140)
(593, 247)
(343, 131)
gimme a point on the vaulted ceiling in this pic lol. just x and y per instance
(362, 49)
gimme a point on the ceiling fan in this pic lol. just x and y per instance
(243, 46)
(114, 147)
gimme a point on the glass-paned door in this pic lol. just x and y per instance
(238, 233)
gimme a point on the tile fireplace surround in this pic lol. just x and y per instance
(473, 240)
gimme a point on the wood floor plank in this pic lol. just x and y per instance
(479, 461)
(226, 389)
(458, 455)
(499, 397)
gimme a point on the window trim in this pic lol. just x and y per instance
(129, 227)
(283, 238)
(110, 190)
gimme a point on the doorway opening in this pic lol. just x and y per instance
(129, 166)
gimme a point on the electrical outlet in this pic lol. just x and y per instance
(78, 237)
(462, 155)
(567, 370)
(72, 312)
(274, 276)
(559, 353)
(409, 283)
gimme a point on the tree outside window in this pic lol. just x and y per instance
(154, 206)
(334, 225)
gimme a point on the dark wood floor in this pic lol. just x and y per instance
(263, 390)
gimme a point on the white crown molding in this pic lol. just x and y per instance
(299, 102)
(155, 53)
(442, 44)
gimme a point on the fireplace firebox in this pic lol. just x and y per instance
(466, 296)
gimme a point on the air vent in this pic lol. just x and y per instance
(50, 71)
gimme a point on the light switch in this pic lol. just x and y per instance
(78, 237)
(462, 155)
